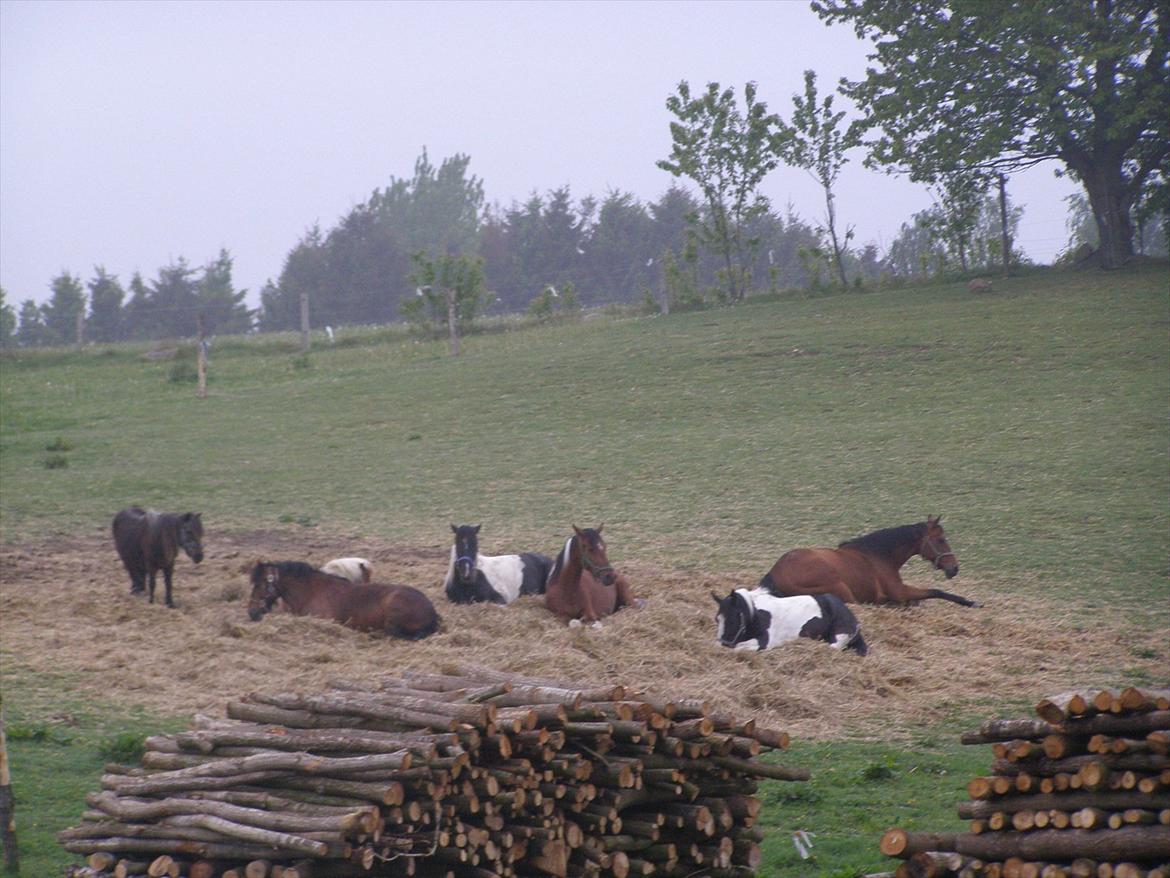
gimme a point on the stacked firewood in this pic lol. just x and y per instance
(1081, 792)
(469, 774)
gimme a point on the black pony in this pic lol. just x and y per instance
(497, 579)
(149, 541)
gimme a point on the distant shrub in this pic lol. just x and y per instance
(56, 461)
(59, 444)
(183, 372)
(302, 362)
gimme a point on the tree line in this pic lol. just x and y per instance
(958, 96)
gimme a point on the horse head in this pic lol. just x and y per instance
(265, 590)
(732, 618)
(466, 550)
(936, 549)
(191, 535)
(591, 548)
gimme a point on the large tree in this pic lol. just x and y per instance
(7, 322)
(727, 153)
(1003, 85)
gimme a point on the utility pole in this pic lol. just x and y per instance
(1003, 222)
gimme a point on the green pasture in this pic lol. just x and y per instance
(1033, 418)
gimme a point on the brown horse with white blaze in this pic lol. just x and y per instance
(865, 570)
(396, 610)
(583, 586)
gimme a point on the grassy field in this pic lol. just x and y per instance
(1033, 418)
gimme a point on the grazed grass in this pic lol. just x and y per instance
(1033, 419)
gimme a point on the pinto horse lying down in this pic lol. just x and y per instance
(395, 610)
(495, 579)
(759, 620)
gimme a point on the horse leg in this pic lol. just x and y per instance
(151, 582)
(752, 644)
(909, 594)
(167, 573)
(625, 595)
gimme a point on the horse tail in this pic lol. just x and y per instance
(857, 643)
(769, 584)
(840, 620)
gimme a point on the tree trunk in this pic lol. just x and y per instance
(832, 217)
(1111, 200)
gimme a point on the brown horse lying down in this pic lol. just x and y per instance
(866, 570)
(583, 586)
(396, 610)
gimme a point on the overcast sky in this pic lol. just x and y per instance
(132, 134)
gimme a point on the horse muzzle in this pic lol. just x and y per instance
(608, 579)
(951, 571)
(256, 613)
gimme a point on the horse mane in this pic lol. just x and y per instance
(886, 541)
(562, 560)
(291, 568)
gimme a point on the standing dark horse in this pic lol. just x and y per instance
(149, 541)
(497, 579)
(757, 620)
(583, 585)
(396, 610)
(865, 570)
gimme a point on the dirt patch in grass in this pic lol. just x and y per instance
(66, 614)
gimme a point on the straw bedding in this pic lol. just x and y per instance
(66, 610)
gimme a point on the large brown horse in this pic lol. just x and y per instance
(149, 541)
(865, 570)
(583, 586)
(396, 610)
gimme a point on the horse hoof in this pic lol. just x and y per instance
(639, 603)
(574, 623)
(594, 624)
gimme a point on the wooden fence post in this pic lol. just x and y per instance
(7, 804)
(452, 323)
(201, 357)
(305, 321)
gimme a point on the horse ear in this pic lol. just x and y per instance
(454, 529)
(715, 598)
(577, 531)
(600, 526)
(478, 526)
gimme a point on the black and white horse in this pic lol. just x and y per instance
(497, 579)
(759, 620)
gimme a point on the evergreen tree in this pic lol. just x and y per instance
(60, 313)
(105, 307)
(223, 309)
(32, 331)
(7, 322)
(139, 318)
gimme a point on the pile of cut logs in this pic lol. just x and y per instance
(1081, 792)
(472, 773)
